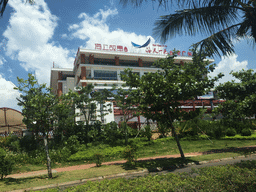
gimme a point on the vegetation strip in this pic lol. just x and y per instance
(121, 175)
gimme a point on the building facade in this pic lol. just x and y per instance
(102, 69)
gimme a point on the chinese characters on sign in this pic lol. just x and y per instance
(106, 47)
(161, 49)
(152, 49)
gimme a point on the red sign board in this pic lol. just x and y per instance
(106, 47)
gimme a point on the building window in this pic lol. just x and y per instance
(105, 75)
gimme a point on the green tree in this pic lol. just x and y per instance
(240, 96)
(223, 21)
(37, 103)
(126, 100)
(64, 111)
(86, 100)
(159, 94)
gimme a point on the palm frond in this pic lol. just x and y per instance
(220, 42)
(205, 20)
(3, 4)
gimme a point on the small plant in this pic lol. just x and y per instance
(6, 164)
(98, 158)
(130, 155)
(231, 132)
(147, 132)
(246, 132)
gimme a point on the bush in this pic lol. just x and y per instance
(130, 155)
(28, 143)
(163, 129)
(98, 158)
(246, 132)
(147, 132)
(6, 164)
(73, 144)
(231, 132)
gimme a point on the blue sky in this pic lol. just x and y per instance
(32, 37)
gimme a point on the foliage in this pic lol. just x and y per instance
(158, 95)
(223, 21)
(239, 177)
(240, 99)
(126, 100)
(231, 132)
(163, 129)
(88, 154)
(246, 132)
(38, 104)
(98, 158)
(86, 101)
(146, 132)
(28, 143)
(130, 155)
(6, 164)
(73, 144)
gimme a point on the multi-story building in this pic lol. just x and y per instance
(103, 68)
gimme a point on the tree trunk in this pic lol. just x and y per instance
(125, 130)
(175, 135)
(177, 141)
(48, 157)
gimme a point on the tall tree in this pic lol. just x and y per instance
(224, 21)
(160, 93)
(86, 100)
(37, 108)
(126, 100)
(240, 96)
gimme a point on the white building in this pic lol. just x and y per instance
(103, 68)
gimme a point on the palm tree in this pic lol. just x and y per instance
(3, 4)
(223, 20)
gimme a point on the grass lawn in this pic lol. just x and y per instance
(9, 184)
(158, 147)
(148, 149)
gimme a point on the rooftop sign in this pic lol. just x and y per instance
(149, 48)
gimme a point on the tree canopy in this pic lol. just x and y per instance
(159, 94)
(222, 21)
(240, 96)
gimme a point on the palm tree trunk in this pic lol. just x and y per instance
(48, 157)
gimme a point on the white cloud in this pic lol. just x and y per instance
(29, 39)
(8, 95)
(226, 65)
(2, 60)
(94, 29)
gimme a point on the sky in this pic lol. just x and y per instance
(32, 37)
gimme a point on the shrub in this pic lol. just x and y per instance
(130, 155)
(6, 164)
(231, 132)
(98, 158)
(28, 143)
(147, 132)
(163, 129)
(73, 144)
(246, 132)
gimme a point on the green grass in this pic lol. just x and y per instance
(159, 147)
(9, 184)
(239, 177)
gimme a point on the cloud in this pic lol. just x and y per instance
(226, 65)
(8, 95)
(2, 60)
(94, 29)
(30, 39)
